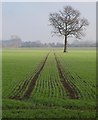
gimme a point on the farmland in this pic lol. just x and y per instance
(43, 83)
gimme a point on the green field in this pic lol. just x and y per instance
(43, 83)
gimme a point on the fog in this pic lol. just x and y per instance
(29, 20)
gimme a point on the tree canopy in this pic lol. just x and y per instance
(68, 23)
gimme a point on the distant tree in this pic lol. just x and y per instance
(68, 23)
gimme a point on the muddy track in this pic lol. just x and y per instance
(71, 92)
(24, 90)
(33, 81)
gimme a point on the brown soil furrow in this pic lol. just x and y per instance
(26, 87)
(71, 92)
(33, 81)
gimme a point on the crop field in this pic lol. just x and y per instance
(44, 83)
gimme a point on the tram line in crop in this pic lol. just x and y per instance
(24, 89)
(71, 92)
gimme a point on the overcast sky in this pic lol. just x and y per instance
(29, 20)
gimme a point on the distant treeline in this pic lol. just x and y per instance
(39, 44)
(17, 43)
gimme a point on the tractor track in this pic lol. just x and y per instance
(71, 92)
(26, 87)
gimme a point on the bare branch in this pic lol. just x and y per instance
(68, 22)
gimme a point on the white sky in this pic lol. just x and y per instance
(29, 20)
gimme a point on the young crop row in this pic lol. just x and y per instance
(48, 97)
(85, 87)
(18, 68)
(71, 91)
(24, 88)
(48, 84)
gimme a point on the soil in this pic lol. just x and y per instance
(24, 89)
(71, 92)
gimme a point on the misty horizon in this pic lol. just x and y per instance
(30, 22)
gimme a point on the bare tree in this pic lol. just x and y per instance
(68, 23)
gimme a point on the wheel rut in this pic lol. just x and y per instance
(24, 89)
(71, 92)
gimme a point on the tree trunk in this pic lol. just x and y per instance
(65, 44)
